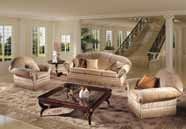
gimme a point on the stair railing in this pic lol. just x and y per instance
(128, 42)
(154, 51)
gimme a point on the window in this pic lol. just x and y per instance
(5, 42)
(96, 36)
(39, 41)
(121, 37)
(65, 43)
(109, 38)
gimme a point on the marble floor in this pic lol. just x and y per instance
(9, 123)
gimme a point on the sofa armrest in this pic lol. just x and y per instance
(68, 66)
(126, 67)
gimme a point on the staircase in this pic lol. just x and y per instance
(154, 51)
(145, 46)
(129, 44)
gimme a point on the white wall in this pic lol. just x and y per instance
(72, 28)
(22, 37)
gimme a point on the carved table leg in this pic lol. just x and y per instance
(89, 117)
(43, 108)
(107, 100)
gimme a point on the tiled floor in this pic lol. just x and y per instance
(9, 123)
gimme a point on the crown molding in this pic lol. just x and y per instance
(138, 14)
(38, 16)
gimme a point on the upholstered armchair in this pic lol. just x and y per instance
(155, 102)
(27, 74)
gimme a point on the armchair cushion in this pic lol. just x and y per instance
(22, 72)
(40, 75)
(154, 94)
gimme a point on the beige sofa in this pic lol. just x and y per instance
(27, 74)
(155, 102)
(102, 75)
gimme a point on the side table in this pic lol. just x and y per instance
(56, 66)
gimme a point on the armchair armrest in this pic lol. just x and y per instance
(43, 67)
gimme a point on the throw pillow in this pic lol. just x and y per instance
(75, 62)
(146, 82)
(116, 66)
(82, 63)
(92, 63)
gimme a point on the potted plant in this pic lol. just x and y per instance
(87, 40)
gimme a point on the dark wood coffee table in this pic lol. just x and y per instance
(68, 97)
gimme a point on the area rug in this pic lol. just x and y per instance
(22, 104)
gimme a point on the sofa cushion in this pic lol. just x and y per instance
(98, 72)
(108, 73)
(155, 94)
(104, 61)
(93, 72)
(77, 70)
(146, 82)
(92, 63)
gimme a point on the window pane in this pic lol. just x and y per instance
(39, 41)
(1, 43)
(5, 42)
(109, 37)
(65, 43)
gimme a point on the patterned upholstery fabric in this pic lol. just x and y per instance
(28, 74)
(23, 62)
(155, 102)
(102, 75)
(155, 94)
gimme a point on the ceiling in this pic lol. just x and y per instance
(59, 9)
